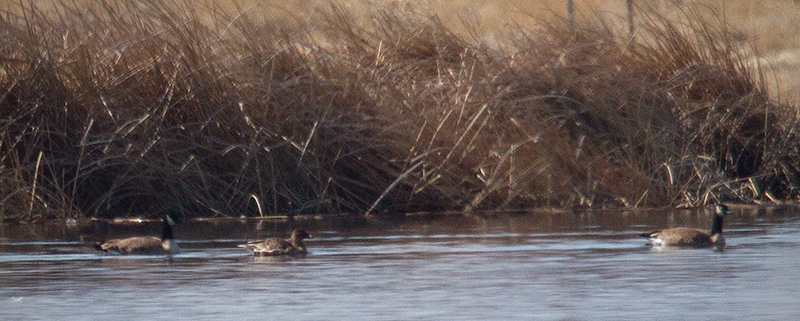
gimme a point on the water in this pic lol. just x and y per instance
(545, 266)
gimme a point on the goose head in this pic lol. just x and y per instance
(299, 234)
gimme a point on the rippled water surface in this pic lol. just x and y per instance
(545, 266)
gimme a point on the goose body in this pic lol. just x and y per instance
(143, 244)
(691, 237)
(278, 246)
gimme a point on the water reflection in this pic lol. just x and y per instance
(542, 266)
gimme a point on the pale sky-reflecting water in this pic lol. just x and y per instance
(588, 266)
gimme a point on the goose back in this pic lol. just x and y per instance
(132, 245)
(277, 246)
(680, 236)
(143, 244)
(691, 237)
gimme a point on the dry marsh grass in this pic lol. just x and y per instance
(116, 108)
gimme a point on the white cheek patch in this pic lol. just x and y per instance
(170, 246)
(656, 241)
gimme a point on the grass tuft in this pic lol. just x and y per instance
(114, 108)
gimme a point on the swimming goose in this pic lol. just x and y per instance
(278, 246)
(690, 237)
(143, 244)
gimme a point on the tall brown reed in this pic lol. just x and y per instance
(121, 108)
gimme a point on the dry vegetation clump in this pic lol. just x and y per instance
(119, 108)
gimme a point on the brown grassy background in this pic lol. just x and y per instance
(159, 106)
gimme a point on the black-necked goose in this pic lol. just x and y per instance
(278, 246)
(690, 237)
(143, 244)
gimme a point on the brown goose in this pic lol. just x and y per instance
(143, 244)
(690, 237)
(278, 246)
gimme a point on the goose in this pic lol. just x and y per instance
(143, 244)
(278, 246)
(690, 237)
